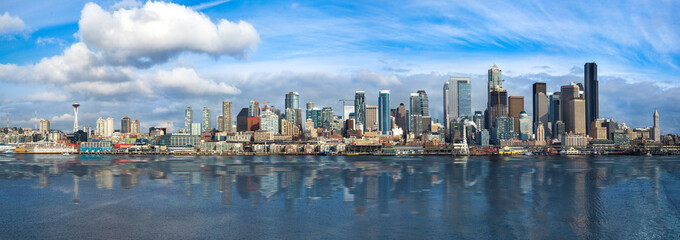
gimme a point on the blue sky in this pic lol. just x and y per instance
(104, 55)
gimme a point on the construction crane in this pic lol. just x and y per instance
(344, 101)
(167, 125)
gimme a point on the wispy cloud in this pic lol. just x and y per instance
(209, 4)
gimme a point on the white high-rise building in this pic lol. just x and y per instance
(134, 126)
(100, 128)
(104, 127)
(205, 120)
(188, 119)
(44, 126)
(269, 121)
(109, 127)
(346, 110)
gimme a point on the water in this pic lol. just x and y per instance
(314, 197)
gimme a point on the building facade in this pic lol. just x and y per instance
(371, 118)
(360, 110)
(205, 119)
(590, 84)
(515, 108)
(125, 125)
(227, 117)
(540, 104)
(384, 120)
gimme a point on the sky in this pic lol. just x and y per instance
(150, 60)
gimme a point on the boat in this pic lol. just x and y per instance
(649, 154)
(8, 152)
(507, 151)
(65, 154)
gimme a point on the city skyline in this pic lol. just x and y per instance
(189, 76)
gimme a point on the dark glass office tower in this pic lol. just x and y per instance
(591, 93)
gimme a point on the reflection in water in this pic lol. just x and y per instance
(501, 197)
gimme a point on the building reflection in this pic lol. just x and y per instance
(506, 193)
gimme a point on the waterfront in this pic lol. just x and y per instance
(339, 197)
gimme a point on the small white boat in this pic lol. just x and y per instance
(65, 154)
(649, 154)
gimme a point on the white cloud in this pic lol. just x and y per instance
(376, 79)
(187, 81)
(160, 110)
(46, 96)
(209, 4)
(158, 31)
(126, 4)
(64, 117)
(78, 63)
(43, 41)
(101, 89)
(11, 25)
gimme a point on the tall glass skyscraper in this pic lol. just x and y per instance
(497, 102)
(464, 97)
(424, 103)
(205, 120)
(384, 120)
(457, 100)
(293, 100)
(415, 119)
(360, 109)
(253, 109)
(188, 119)
(591, 93)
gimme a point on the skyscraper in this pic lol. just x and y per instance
(498, 107)
(371, 118)
(205, 121)
(590, 83)
(269, 121)
(109, 127)
(497, 104)
(346, 110)
(573, 109)
(292, 100)
(188, 119)
(101, 127)
(478, 118)
(125, 125)
(515, 109)
(457, 99)
(401, 118)
(134, 126)
(45, 126)
(226, 117)
(424, 103)
(495, 79)
(360, 109)
(415, 120)
(253, 109)
(540, 104)
(220, 126)
(555, 108)
(384, 122)
(525, 126)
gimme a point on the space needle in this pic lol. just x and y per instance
(75, 119)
